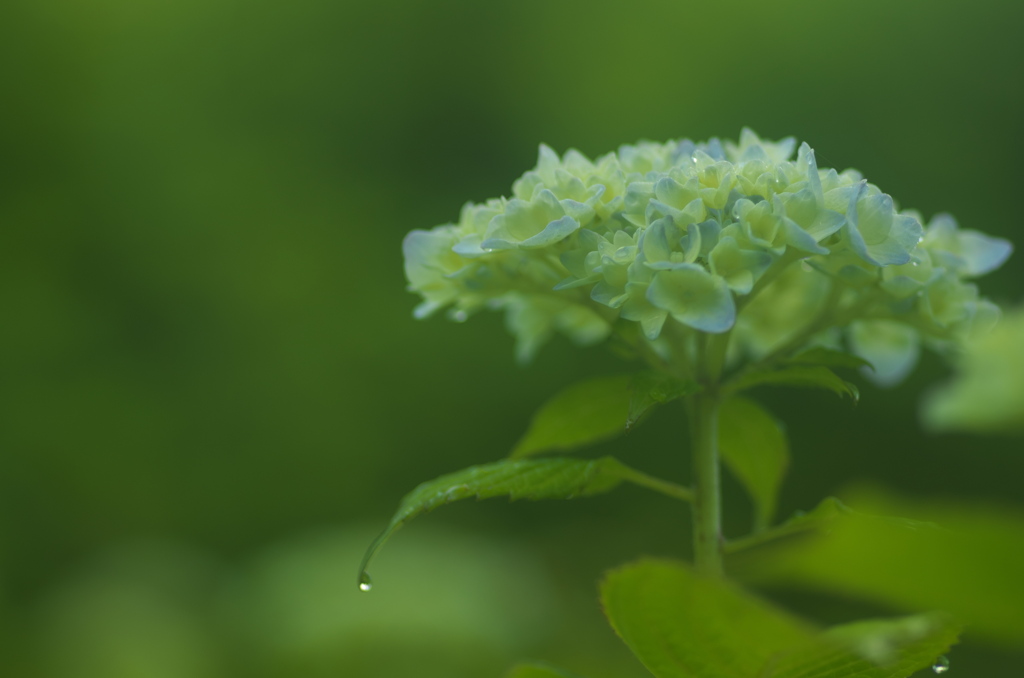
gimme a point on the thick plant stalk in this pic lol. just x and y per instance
(707, 507)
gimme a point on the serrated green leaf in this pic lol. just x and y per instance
(827, 357)
(816, 520)
(648, 389)
(803, 376)
(537, 671)
(880, 648)
(517, 479)
(684, 625)
(584, 413)
(754, 447)
(970, 566)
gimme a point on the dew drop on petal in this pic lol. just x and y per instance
(941, 665)
(365, 583)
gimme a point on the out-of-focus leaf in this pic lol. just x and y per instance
(801, 376)
(556, 478)
(583, 413)
(818, 519)
(970, 567)
(537, 671)
(684, 625)
(883, 648)
(754, 447)
(827, 357)
(648, 389)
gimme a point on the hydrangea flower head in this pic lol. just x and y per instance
(682, 239)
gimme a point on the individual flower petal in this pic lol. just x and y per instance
(530, 225)
(694, 297)
(738, 267)
(968, 253)
(876, 233)
(752, 147)
(429, 261)
(904, 280)
(891, 347)
(759, 223)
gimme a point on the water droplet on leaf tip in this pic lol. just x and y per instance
(941, 665)
(365, 583)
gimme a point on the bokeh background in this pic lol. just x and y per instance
(212, 391)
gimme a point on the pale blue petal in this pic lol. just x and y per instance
(794, 236)
(982, 253)
(892, 348)
(694, 297)
(552, 233)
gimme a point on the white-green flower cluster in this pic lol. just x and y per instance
(682, 238)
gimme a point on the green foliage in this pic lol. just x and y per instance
(583, 413)
(684, 625)
(553, 478)
(649, 389)
(753, 445)
(969, 567)
(883, 648)
(818, 519)
(800, 376)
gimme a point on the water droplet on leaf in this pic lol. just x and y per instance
(365, 583)
(941, 665)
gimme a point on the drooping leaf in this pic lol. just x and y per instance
(880, 648)
(684, 625)
(648, 389)
(827, 357)
(584, 413)
(753, 445)
(970, 566)
(555, 478)
(815, 520)
(802, 376)
(537, 671)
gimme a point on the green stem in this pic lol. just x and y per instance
(658, 485)
(707, 510)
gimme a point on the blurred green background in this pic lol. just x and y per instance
(212, 391)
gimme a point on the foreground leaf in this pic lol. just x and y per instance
(754, 447)
(648, 389)
(801, 376)
(584, 413)
(817, 520)
(971, 567)
(556, 478)
(684, 625)
(537, 671)
(885, 648)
